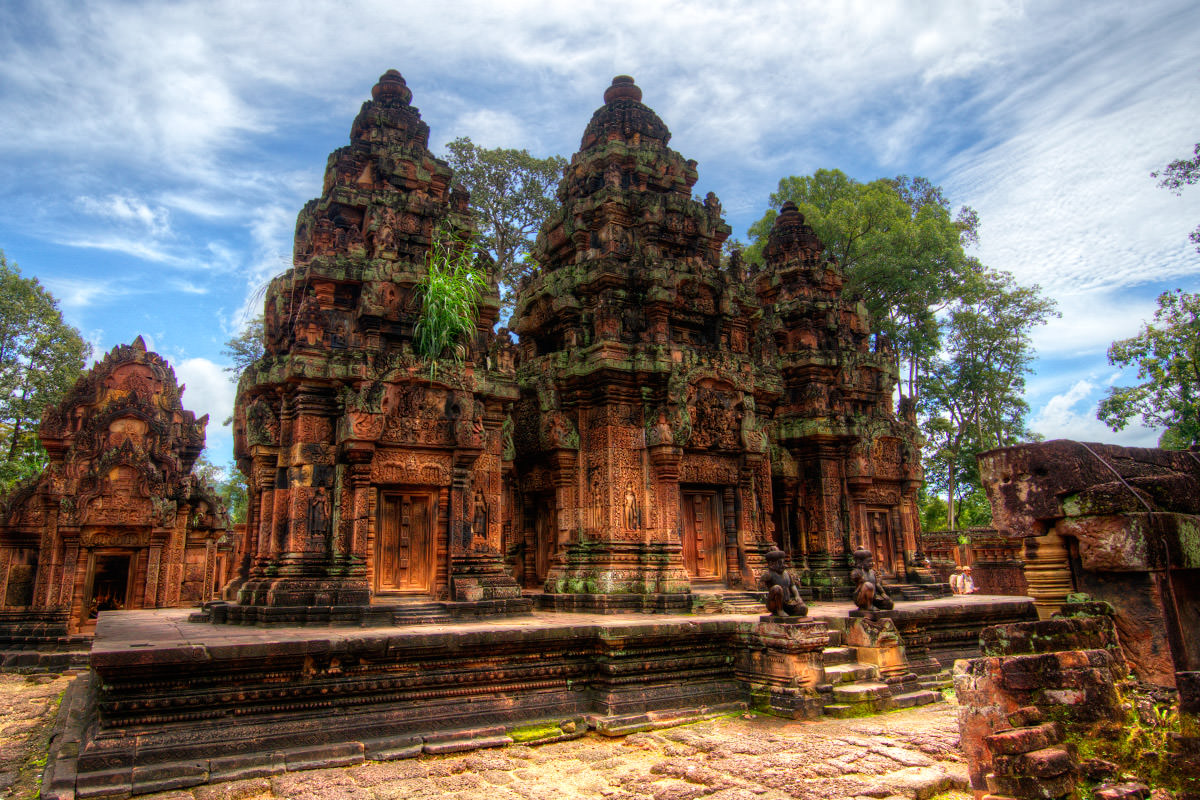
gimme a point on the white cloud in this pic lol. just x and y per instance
(1072, 415)
(209, 389)
(75, 294)
(1090, 322)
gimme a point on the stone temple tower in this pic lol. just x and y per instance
(640, 454)
(372, 471)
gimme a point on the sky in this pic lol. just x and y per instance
(154, 155)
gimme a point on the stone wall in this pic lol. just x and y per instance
(1120, 524)
(1049, 710)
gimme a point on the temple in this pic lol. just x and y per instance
(658, 422)
(117, 520)
(662, 420)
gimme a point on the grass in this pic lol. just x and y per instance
(450, 295)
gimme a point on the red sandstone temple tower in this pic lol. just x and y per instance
(116, 520)
(677, 417)
(371, 473)
(641, 459)
(846, 471)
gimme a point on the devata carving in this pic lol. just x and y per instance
(121, 521)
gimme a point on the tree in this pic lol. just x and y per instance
(1167, 354)
(972, 395)
(902, 251)
(512, 194)
(41, 357)
(228, 484)
(245, 348)
(1179, 173)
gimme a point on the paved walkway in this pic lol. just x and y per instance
(169, 628)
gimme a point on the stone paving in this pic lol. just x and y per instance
(28, 704)
(905, 754)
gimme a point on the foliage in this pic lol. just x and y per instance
(512, 194)
(245, 348)
(1167, 354)
(228, 483)
(450, 295)
(1140, 744)
(900, 247)
(972, 393)
(41, 357)
(1179, 173)
(971, 510)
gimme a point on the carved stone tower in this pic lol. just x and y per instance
(846, 470)
(640, 455)
(116, 520)
(372, 471)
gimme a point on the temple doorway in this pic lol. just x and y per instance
(404, 547)
(879, 532)
(545, 535)
(703, 541)
(108, 583)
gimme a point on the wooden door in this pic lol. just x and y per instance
(546, 535)
(404, 546)
(880, 543)
(703, 541)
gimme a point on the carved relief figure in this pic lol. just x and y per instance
(318, 513)
(633, 514)
(479, 522)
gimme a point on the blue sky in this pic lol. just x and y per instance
(154, 155)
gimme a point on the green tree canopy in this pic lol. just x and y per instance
(900, 246)
(41, 357)
(1167, 355)
(229, 485)
(245, 348)
(512, 194)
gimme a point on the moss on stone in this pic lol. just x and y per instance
(536, 732)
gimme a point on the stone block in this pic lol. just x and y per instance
(344, 754)
(1024, 740)
(1030, 788)
(1044, 763)
(1025, 717)
(1131, 790)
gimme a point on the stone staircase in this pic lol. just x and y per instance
(414, 612)
(856, 690)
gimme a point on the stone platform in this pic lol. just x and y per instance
(172, 703)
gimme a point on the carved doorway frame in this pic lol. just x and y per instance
(94, 554)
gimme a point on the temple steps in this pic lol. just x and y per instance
(855, 689)
(421, 613)
(850, 673)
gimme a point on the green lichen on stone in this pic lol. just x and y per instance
(533, 733)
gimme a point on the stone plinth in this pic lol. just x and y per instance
(780, 662)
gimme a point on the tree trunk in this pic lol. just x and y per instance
(950, 487)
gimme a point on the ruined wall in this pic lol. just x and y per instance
(1121, 524)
